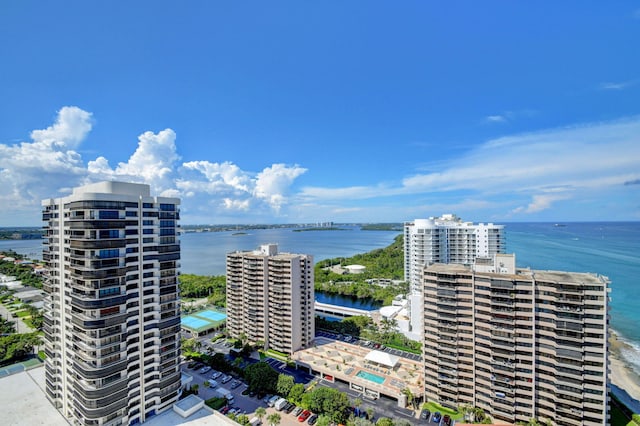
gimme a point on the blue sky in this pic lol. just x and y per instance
(357, 111)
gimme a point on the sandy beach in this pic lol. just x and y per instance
(621, 373)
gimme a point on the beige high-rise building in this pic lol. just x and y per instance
(112, 314)
(270, 298)
(518, 343)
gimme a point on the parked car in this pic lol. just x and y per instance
(446, 420)
(313, 419)
(304, 415)
(436, 417)
(289, 407)
(216, 374)
(226, 379)
(425, 414)
(296, 411)
(225, 409)
(235, 384)
(191, 365)
(204, 370)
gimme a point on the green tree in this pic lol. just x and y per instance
(274, 419)
(324, 420)
(330, 402)
(17, 346)
(6, 326)
(260, 413)
(384, 421)
(411, 400)
(190, 345)
(296, 392)
(261, 377)
(284, 385)
(478, 414)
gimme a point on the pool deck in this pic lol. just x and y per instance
(343, 361)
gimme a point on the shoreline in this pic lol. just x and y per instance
(622, 373)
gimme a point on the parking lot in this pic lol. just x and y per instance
(245, 404)
(370, 345)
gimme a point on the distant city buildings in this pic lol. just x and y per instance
(445, 239)
(518, 343)
(270, 298)
(112, 315)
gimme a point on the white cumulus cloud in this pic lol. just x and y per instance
(273, 182)
(49, 166)
(153, 162)
(70, 129)
(31, 171)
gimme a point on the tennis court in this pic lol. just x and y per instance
(212, 315)
(203, 321)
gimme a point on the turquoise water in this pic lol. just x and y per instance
(607, 248)
(371, 377)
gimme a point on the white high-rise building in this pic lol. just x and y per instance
(270, 298)
(112, 315)
(445, 239)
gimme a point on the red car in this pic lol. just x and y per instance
(304, 415)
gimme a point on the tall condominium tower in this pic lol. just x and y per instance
(446, 239)
(270, 298)
(112, 317)
(519, 344)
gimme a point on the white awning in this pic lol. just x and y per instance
(382, 358)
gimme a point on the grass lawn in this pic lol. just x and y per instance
(216, 403)
(22, 314)
(277, 355)
(433, 407)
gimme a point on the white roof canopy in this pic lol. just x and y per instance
(383, 358)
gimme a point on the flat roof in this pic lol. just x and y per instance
(383, 358)
(23, 400)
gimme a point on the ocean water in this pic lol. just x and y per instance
(611, 249)
(607, 248)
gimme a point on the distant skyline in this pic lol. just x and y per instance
(292, 112)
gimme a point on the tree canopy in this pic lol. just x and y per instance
(213, 287)
(261, 377)
(17, 346)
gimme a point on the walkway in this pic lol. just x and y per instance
(21, 327)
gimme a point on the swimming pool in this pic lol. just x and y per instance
(370, 376)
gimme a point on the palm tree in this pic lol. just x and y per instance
(478, 414)
(260, 413)
(466, 410)
(410, 397)
(274, 419)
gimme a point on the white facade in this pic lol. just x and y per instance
(270, 298)
(112, 314)
(445, 239)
